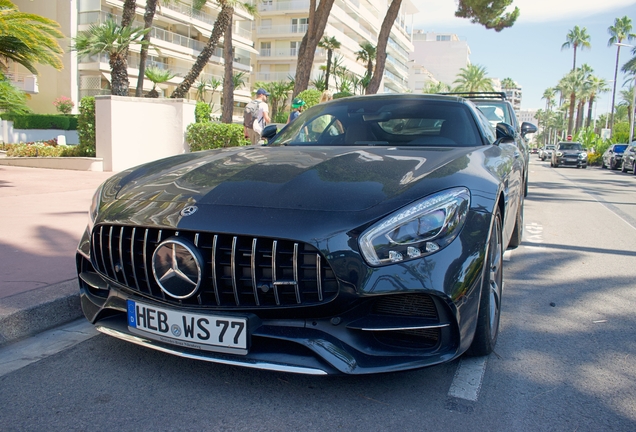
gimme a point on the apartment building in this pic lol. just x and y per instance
(178, 35)
(265, 48)
(281, 25)
(441, 54)
(514, 96)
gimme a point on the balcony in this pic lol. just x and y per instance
(28, 83)
(293, 5)
(282, 29)
(274, 76)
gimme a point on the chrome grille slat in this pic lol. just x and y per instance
(240, 272)
(132, 256)
(215, 283)
(233, 269)
(253, 272)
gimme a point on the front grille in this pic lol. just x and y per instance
(238, 271)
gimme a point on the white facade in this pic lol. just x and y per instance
(281, 25)
(442, 54)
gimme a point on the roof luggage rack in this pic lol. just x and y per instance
(479, 95)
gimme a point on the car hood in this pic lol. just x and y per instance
(571, 152)
(316, 178)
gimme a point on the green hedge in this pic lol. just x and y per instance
(310, 96)
(205, 136)
(41, 150)
(86, 127)
(42, 121)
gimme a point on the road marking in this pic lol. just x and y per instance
(468, 378)
(17, 355)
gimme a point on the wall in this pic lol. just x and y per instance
(131, 131)
(10, 135)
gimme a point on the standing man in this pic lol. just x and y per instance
(256, 116)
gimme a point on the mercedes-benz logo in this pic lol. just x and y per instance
(176, 267)
(189, 210)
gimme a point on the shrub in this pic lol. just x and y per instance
(342, 95)
(63, 105)
(594, 158)
(281, 117)
(202, 112)
(205, 136)
(86, 126)
(310, 96)
(42, 121)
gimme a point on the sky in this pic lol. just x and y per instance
(530, 52)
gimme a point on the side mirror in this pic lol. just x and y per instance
(269, 131)
(527, 128)
(505, 132)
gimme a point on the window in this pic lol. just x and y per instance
(443, 38)
(293, 48)
(266, 49)
(299, 25)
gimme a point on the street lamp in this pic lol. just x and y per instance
(631, 125)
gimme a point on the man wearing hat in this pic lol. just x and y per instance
(256, 116)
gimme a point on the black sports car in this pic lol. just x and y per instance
(367, 236)
(569, 154)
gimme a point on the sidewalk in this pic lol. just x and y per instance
(43, 213)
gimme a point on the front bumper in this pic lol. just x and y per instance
(571, 161)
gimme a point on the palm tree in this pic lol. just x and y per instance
(548, 95)
(202, 88)
(330, 44)
(367, 55)
(577, 38)
(569, 85)
(227, 109)
(113, 40)
(597, 86)
(473, 79)
(621, 30)
(508, 83)
(28, 39)
(157, 76)
(223, 19)
(128, 13)
(583, 94)
(12, 99)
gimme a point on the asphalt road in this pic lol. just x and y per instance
(565, 359)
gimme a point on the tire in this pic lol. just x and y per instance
(634, 168)
(603, 164)
(525, 187)
(613, 164)
(584, 167)
(487, 329)
(623, 167)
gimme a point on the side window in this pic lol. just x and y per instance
(489, 131)
(320, 128)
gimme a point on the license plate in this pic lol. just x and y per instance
(204, 332)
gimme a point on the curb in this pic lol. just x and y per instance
(40, 309)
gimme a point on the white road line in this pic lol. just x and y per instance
(468, 378)
(20, 354)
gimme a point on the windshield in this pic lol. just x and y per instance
(383, 122)
(620, 148)
(494, 112)
(550, 147)
(570, 146)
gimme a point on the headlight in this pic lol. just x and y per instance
(582, 155)
(417, 230)
(559, 154)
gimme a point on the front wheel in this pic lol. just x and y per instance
(624, 168)
(613, 164)
(634, 168)
(490, 298)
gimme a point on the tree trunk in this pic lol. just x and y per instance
(128, 14)
(118, 75)
(611, 113)
(328, 69)
(590, 105)
(380, 53)
(571, 113)
(149, 15)
(307, 50)
(574, 62)
(579, 115)
(220, 25)
(228, 81)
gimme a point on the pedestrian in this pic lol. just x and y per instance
(256, 116)
(297, 107)
(326, 96)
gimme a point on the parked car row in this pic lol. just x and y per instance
(546, 152)
(621, 156)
